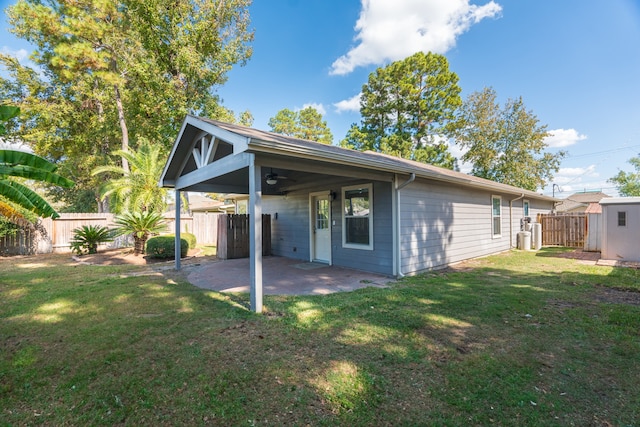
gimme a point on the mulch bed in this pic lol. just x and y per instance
(125, 256)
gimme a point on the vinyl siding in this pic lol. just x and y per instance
(621, 243)
(380, 259)
(290, 232)
(441, 224)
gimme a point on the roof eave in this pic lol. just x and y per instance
(346, 158)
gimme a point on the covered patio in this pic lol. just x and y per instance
(283, 276)
(274, 170)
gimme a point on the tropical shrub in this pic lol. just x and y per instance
(141, 225)
(87, 238)
(190, 238)
(165, 247)
(19, 164)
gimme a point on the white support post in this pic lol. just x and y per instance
(255, 235)
(177, 222)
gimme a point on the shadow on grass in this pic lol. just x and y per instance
(516, 337)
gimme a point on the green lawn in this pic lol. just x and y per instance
(516, 339)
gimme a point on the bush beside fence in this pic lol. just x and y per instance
(54, 235)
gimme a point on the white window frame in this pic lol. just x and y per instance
(625, 218)
(369, 247)
(495, 235)
(526, 208)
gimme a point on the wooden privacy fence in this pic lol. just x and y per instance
(22, 242)
(563, 229)
(233, 236)
(53, 235)
(204, 225)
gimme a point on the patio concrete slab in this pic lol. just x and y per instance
(283, 276)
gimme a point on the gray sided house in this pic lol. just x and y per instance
(621, 228)
(360, 210)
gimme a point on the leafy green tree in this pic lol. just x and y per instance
(116, 71)
(408, 110)
(7, 112)
(628, 183)
(137, 190)
(305, 124)
(506, 144)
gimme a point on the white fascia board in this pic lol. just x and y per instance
(213, 170)
(163, 182)
(240, 143)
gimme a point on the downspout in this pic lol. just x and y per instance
(511, 219)
(396, 244)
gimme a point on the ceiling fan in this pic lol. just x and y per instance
(272, 178)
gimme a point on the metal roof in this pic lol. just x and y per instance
(620, 201)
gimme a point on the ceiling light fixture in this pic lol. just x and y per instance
(272, 179)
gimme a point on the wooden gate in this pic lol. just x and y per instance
(233, 236)
(562, 229)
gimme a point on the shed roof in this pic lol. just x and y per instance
(259, 141)
(620, 201)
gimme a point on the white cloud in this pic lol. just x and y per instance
(319, 107)
(351, 104)
(389, 30)
(570, 177)
(563, 138)
(21, 54)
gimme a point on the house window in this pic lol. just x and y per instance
(622, 219)
(496, 216)
(525, 208)
(357, 217)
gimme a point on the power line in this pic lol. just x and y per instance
(613, 150)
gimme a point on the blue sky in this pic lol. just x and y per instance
(576, 64)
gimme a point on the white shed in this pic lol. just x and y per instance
(621, 228)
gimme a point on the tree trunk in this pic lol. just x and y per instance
(123, 128)
(103, 204)
(138, 244)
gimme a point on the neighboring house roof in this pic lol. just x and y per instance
(579, 202)
(198, 203)
(593, 208)
(257, 141)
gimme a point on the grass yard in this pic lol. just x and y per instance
(522, 339)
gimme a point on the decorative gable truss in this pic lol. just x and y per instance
(204, 152)
(204, 149)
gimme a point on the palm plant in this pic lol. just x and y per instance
(141, 225)
(137, 189)
(88, 237)
(29, 166)
(26, 165)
